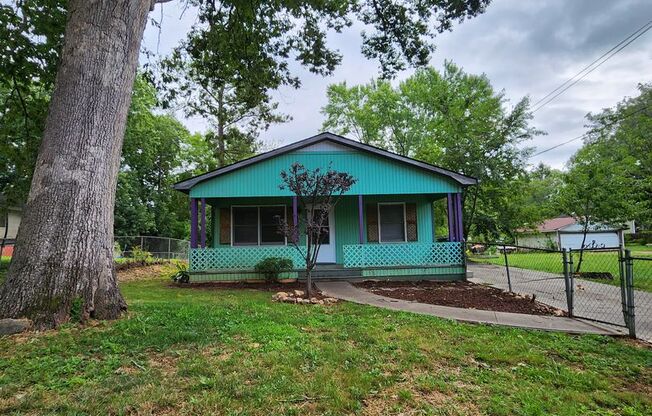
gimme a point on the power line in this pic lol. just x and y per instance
(591, 64)
(590, 68)
(586, 134)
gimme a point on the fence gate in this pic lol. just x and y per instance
(597, 285)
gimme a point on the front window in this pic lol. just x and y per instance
(392, 222)
(245, 226)
(257, 225)
(270, 218)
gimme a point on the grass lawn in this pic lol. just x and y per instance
(593, 262)
(639, 249)
(187, 351)
(4, 264)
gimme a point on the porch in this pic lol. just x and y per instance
(358, 232)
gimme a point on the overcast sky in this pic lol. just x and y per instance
(524, 47)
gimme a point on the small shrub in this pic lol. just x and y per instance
(182, 275)
(117, 250)
(138, 254)
(272, 266)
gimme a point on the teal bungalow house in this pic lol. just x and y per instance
(382, 228)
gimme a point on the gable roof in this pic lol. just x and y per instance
(186, 185)
(555, 224)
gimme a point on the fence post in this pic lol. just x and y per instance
(629, 289)
(509, 278)
(623, 288)
(568, 279)
(571, 283)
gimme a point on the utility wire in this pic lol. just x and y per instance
(586, 134)
(592, 66)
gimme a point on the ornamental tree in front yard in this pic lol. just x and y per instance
(317, 192)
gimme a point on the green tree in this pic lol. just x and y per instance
(622, 135)
(151, 156)
(452, 119)
(594, 191)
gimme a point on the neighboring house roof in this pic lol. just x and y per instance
(567, 224)
(555, 224)
(187, 184)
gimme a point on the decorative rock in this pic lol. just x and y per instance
(14, 326)
(328, 301)
(313, 300)
(298, 293)
(305, 301)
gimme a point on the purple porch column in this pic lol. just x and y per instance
(451, 214)
(193, 223)
(360, 221)
(203, 223)
(295, 217)
(458, 217)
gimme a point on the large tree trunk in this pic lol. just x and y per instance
(64, 248)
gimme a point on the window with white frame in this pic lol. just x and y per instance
(391, 218)
(257, 225)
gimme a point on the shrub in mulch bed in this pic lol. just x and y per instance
(595, 275)
(461, 295)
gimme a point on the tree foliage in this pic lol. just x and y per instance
(152, 155)
(451, 119)
(31, 38)
(620, 137)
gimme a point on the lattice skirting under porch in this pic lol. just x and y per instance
(403, 254)
(239, 258)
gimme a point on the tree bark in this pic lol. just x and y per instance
(64, 248)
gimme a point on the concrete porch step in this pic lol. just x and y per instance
(332, 271)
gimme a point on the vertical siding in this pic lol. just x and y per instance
(346, 225)
(376, 176)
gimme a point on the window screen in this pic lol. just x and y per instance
(270, 218)
(245, 226)
(392, 223)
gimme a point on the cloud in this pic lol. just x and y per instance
(525, 48)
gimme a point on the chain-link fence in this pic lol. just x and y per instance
(534, 272)
(158, 247)
(603, 285)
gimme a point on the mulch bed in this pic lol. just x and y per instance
(262, 286)
(461, 295)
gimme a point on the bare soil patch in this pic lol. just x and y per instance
(461, 295)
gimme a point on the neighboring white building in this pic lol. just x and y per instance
(10, 222)
(566, 232)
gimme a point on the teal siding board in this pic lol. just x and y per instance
(375, 175)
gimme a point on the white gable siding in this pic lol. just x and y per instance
(327, 146)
